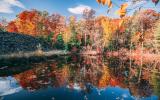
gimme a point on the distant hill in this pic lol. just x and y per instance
(14, 42)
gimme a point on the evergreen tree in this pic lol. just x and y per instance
(59, 42)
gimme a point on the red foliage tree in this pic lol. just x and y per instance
(12, 27)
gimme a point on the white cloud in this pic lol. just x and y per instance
(6, 5)
(79, 9)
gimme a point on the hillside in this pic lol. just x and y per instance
(14, 43)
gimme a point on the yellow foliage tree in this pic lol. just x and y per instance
(67, 35)
(26, 27)
(107, 30)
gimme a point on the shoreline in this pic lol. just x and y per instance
(37, 53)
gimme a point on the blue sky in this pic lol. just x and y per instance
(10, 8)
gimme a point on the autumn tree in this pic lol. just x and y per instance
(142, 26)
(75, 37)
(1, 28)
(11, 27)
(25, 22)
(107, 30)
(89, 15)
(157, 35)
(98, 33)
(38, 23)
(3, 24)
(56, 24)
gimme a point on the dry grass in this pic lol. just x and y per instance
(37, 53)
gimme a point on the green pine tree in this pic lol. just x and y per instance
(60, 43)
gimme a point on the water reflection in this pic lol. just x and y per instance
(8, 85)
(83, 78)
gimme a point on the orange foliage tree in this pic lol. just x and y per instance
(12, 27)
(37, 23)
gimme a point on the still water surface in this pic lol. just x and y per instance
(80, 78)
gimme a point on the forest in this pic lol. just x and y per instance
(91, 33)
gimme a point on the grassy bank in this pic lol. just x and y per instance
(37, 53)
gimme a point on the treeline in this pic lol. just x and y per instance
(90, 32)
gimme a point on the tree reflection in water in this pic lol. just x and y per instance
(90, 74)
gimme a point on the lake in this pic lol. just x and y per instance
(80, 78)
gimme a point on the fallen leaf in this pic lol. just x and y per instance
(122, 11)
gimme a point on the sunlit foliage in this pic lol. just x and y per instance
(91, 32)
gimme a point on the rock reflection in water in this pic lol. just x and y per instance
(94, 78)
